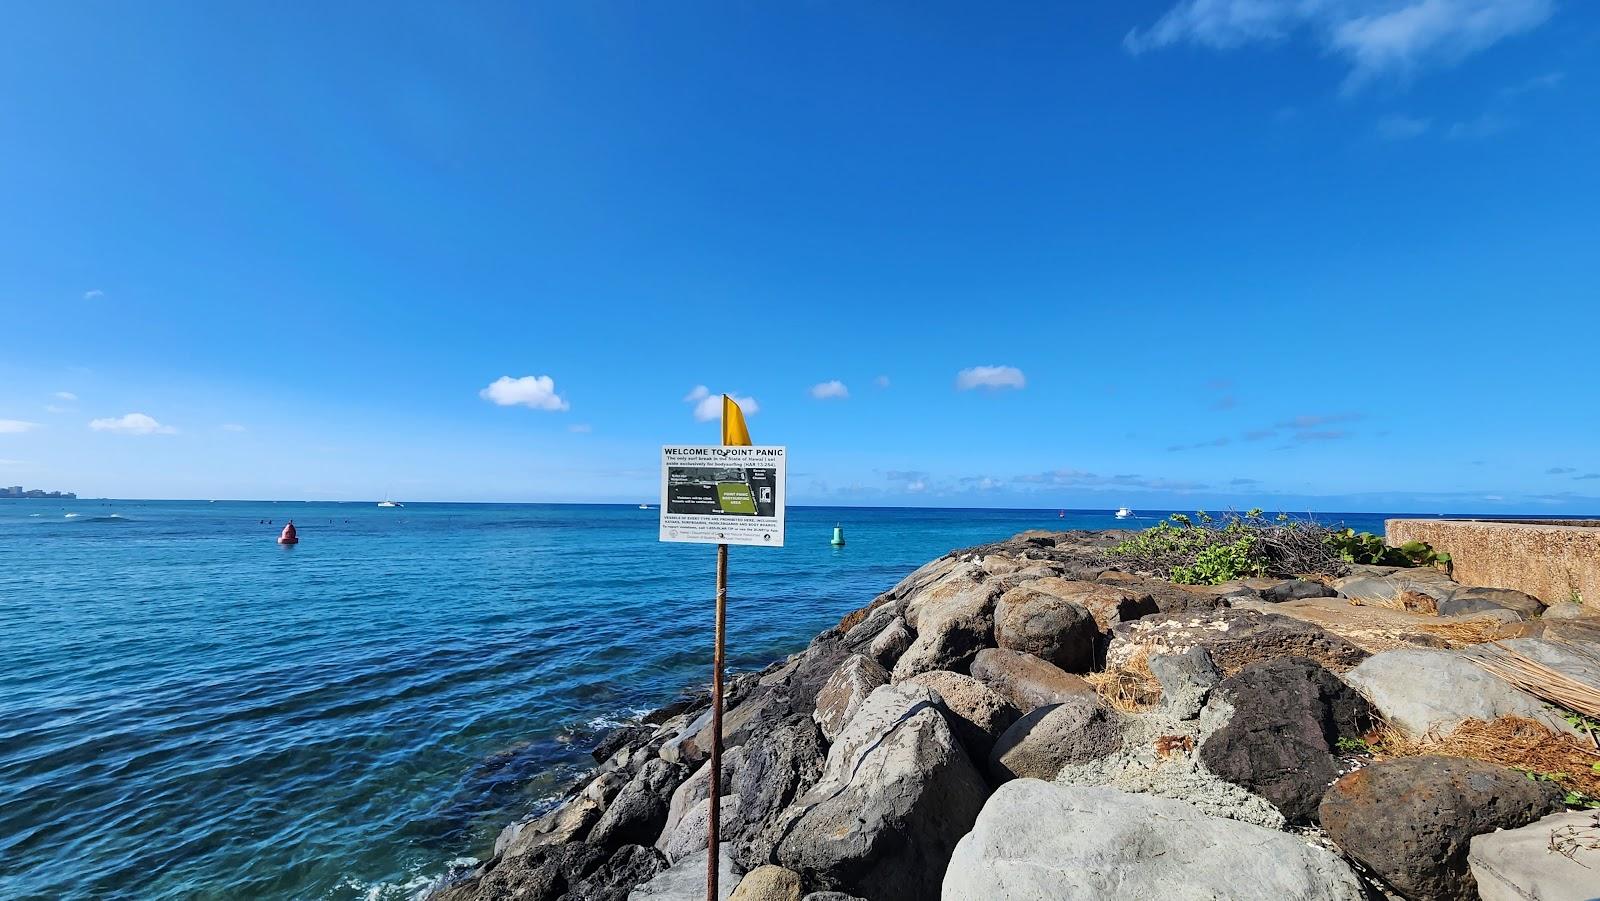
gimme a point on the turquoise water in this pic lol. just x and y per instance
(188, 710)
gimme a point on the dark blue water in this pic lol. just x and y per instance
(188, 710)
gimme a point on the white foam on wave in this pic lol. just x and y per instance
(73, 515)
(416, 888)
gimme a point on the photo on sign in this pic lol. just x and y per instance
(722, 491)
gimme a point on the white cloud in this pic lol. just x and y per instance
(916, 486)
(1402, 128)
(990, 377)
(12, 463)
(93, 294)
(708, 406)
(1485, 126)
(232, 427)
(131, 424)
(1376, 38)
(536, 392)
(67, 396)
(881, 381)
(16, 426)
(828, 389)
(580, 428)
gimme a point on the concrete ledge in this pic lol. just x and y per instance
(1553, 561)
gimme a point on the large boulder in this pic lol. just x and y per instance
(1034, 619)
(569, 821)
(896, 794)
(1411, 819)
(697, 788)
(1168, 597)
(1076, 843)
(543, 873)
(779, 766)
(1419, 691)
(639, 812)
(976, 713)
(1464, 601)
(1039, 744)
(1234, 638)
(768, 883)
(686, 879)
(953, 619)
(1385, 583)
(613, 880)
(844, 691)
(692, 831)
(1280, 738)
(1025, 680)
(892, 641)
(1554, 859)
(1570, 659)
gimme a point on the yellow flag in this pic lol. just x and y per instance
(733, 429)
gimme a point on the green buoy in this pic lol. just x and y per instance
(838, 536)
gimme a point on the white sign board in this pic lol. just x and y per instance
(722, 495)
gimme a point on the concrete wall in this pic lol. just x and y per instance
(1549, 561)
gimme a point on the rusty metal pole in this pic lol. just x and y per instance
(716, 726)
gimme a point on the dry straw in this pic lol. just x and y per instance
(1510, 741)
(1131, 687)
(1539, 680)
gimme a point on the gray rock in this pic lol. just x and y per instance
(780, 766)
(1421, 690)
(1187, 679)
(1281, 737)
(844, 691)
(1025, 680)
(569, 821)
(1042, 742)
(1036, 840)
(1569, 610)
(831, 896)
(1521, 865)
(1234, 639)
(686, 879)
(1382, 583)
(1411, 819)
(953, 619)
(888, 645)
(1167, 596)
(1036, 620)
(896, 794)
(1295, 590)
(1565, 657)
(692, 831)
(697, 788)
(1465, 601)
(640, 809)
(976, 713)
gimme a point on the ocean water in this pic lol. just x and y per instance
(188, 710)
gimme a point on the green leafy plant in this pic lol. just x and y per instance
(1208, 549)
(1365, 547)
(1573, 797)
(1348, 745)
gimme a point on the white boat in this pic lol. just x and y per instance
(644, 506)
(390, 504)
(1124, 513)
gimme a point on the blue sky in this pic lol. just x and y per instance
(1341, 255)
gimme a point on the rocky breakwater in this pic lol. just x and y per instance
(1026, 720)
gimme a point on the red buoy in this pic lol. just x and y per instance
(289, 536)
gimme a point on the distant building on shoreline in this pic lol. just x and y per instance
(17, 491)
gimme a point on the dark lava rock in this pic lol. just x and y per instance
(629, 866)
(682, 705)
(640, 809)
(1411, 820)
(619, 738)
(1464, 601)
(546, 873)
(1288, 716)
(1296, 590)
(779, 766)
